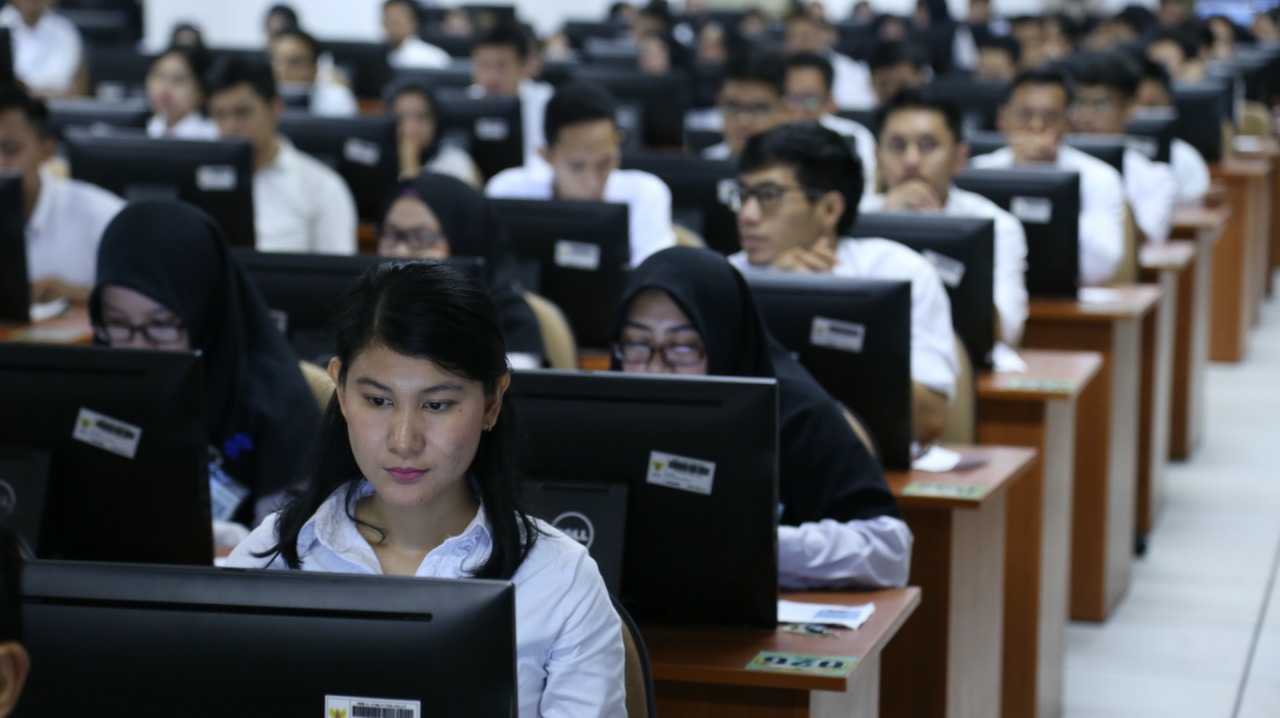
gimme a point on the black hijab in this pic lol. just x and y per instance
(472, 228)
(825, 472)
(260, 413)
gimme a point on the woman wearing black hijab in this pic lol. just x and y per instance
(167, 280)
(435, 216)
(688, 311)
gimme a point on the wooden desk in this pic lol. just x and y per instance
(1203, 226)
(1106, 436)
(702, 672)
(1266, 149)
(1240, 261)
(1036, 408)
(947, 661)
(70, 328)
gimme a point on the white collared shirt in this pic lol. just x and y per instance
(302, 206)
(192, 126)
(329, 99)
(647, 197)
(417, 54)
(1151, 190)
(454, 161)
(1191, 171)
(1101, 209)
(533, 96)
(720, 151)
(864, 142)
(45, 57)
(569, 653)
(1010, 257)
(66, 228)
(933, 357)
(851, 88)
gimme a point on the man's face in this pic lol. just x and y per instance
(805, 35)
(22, 150)
(497, 69)
(889, 81)
(749, 108)
(291, 61)
(787, 219)
(807, 96)
(915, 144)
(1152, 94)
(399, 24)
(1036, 116)
(1100, 110)
(583, 157)
(995, 64)
(241, 113)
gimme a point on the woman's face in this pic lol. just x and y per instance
(415, 119)
(172, 88)
(414, 427)
(659, 339)
(411, 231)
(133, 320)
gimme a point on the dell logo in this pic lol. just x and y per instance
(577, 527)
(8, 498)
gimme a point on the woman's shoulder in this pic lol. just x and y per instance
(259, 541)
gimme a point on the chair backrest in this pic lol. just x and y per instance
(639, 678)
(318, 380)
(962, 416)
(860, 431)
(1127, 273)
(686, 237)
(557, 336)
(1256, 121)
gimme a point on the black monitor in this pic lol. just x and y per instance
(578, 32)
(979, 100)
(854, 336)
(97, 116)
(963, 251)
(984, 142)
(100, 26)
(491, 127)
(366, 64)
(662, 100)
(1202, 108)
(1047, 201)
(1108, 148)
(699, 194)
(216, 176)
(361, 149)
(696, 141)
(708, 77)
(1150, 132)
(206, 642)
(457, 76)
(698, 459)
(575, 254)
(15, 285)
(867, 118)
(6, 58)
(620, 52)
(117, 72)
(458, 46)
(125, 430)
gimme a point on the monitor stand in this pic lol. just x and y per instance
(593, 513)
(24, 482)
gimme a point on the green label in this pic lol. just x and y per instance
(947, 491)
(837, 666)
(1047, 385)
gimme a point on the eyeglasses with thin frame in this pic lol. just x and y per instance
(673, 355)
(769, 195)
(757, 110)
(806, 102)
(156, 333)
(417, 238)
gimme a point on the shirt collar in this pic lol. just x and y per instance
(285, 156)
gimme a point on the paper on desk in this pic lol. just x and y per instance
(1098, 295)
(829, 613)
(937, 460)
(1004, 358)
(48, 310)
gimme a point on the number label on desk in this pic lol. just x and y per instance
(800, 663)
(946, 491)
(1046, 385)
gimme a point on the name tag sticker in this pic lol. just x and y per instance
(216, 178)
(951, 271)
(491, 129)
(681, 472)
(724, 190)
(1038, 210)
(106, 433)
(281, 318)
(577, 255)
(347, 707)
(839, 666)
(362, 152)
(838, 335)
(944, 491)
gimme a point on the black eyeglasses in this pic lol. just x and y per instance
(675, 355)
(769, 195)
(158, 333)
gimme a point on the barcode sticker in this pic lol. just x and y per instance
(492, 129)
(835, 334)
(681, 472)
(950, 270)
(281, 318)
(362, 152)
(348, 707)
(577, 255)
(1037, 210)
(215, 178)
(106, 433)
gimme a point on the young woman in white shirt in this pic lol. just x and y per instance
(176, 92)
(412, 477)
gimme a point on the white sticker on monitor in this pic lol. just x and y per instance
(835, 334)
(281, 318)
(1037, 210)
(1145, 145)
(107, 434)
(577, 255)
(492, 129)
(362, 152)
(724, 191)
(681, 472)
(348, 707)
(950, 270)
(215, 178)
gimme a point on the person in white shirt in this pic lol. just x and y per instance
(412, 478)
(851, 84)
(1189, 168)
(896, 66)
(294, 55)
(921, 151)
(750, 99)
(1035, 119)
(420, 146)
(1105, 89)
(299, 204)
(64, 218)
(47, 49)
(408, 51)
(503, 65)
(584, 149)
(809, 78)
(176, 93)
(998, 57)
(797, 198)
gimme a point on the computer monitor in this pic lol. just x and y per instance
(491, 127)
(578, 32)
(698, 457)
(206, 643)
(1150, 132)
(366, 64)
(575, 254)
(6, 58)
(695, 141)
(854, 336)
(962, 249)
(125, 430)
(979, 100)
(621, 52)
(708, 77)
(97, 116)
(1047, 201)
(456, 76)
(1108, 148)
(984, 142)
(117, 72)
(362, 149)
(699, 194)
(100, 26)
(216, 176)
(662, 100)
(867, 118)
(15, 285)
(1202, 108)
(458, 46)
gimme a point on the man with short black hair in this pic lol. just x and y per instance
(294, 56)
(583, 151)
(47, 49)
(503, 65)
(400, 26)
(851, 84)
(809, 78)
(895, 66)
(1035, 119)
(1189, 168)
(1178, 53)
(797, 199)
(750, 100)
(998, 57)
(299, 204)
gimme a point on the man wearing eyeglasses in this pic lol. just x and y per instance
(750, 99)
(808, 99)
(796, 200)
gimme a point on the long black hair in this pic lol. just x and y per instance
(428, 310)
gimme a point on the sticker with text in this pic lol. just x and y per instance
(835, 334)
(577, 255)
(491, 129)
(348, 707)
(1048, 385)
(362, 152)
(944, 491)
(1144, 145)
(1037, 210)
(216, 178)
(838, 666)
(106, 433)
(681, 472)
(950, 270)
